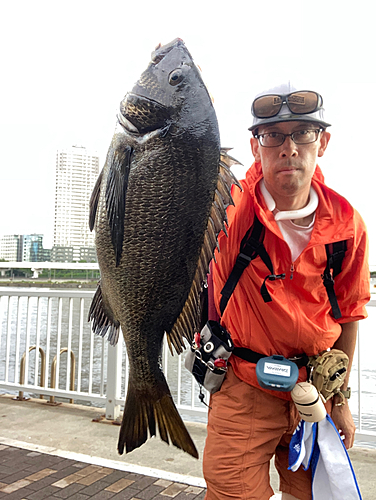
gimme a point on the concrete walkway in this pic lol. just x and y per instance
(36, 438)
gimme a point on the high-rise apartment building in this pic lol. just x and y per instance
(76, 173)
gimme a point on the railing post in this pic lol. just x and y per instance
(114, 367)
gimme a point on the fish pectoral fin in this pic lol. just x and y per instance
(119, 159)
(94, 199)
(103, 319)
(147, 410)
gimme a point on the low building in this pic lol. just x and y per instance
(32, 248)
(88, 254)
(10, 248)
(23, 248)
(60, 253)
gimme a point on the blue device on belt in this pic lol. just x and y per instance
(277, 373)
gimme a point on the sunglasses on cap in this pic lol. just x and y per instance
(299, 103)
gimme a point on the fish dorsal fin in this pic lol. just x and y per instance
(116, 190)
(188, 321)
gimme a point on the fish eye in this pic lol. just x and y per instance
(175, 77)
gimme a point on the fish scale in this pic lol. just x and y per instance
(157, 208)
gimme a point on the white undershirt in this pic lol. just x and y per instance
(297, 237)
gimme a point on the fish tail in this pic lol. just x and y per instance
(143, 412)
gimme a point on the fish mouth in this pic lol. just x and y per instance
(162, 50)
(127, 124)
(140, 114)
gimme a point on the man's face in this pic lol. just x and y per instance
(288, 169)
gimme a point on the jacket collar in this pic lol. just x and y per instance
(334, 213)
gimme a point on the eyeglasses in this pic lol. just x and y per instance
(299, 103)
(275, 139)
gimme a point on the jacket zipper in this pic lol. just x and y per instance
(294, 309)
(292, 269)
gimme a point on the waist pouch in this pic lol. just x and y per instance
(328, 371)
(277, 373)
(208, 355)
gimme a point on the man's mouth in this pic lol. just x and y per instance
(288, 169)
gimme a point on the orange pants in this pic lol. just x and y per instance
(246, 427)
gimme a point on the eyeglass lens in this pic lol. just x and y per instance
(274, 139)
(298, 102)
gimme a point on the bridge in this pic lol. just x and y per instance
(92, 266)
(37, 267)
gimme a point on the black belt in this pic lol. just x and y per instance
(253, 357)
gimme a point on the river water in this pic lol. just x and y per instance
(88, 352)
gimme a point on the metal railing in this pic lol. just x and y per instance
(52, 322)
(37, 326)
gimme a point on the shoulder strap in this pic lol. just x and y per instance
(335, 253)
(250, 247)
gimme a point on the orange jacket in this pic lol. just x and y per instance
(299, 319)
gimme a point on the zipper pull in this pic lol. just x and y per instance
(292, 269)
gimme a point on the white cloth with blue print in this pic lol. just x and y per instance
(318, 445)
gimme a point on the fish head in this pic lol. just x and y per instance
(169, 90)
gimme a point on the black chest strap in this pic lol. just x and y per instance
(335, 253)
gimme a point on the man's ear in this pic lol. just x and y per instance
(255, 146)
(324, 140)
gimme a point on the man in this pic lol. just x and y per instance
(285, 190)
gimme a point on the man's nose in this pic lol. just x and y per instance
(288, 148)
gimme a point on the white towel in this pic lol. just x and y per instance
(320, 446)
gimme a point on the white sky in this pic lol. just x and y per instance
(65, 66)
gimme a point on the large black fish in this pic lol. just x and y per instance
(157, 208)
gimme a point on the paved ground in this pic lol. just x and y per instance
(60, 452)
(36, 476)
